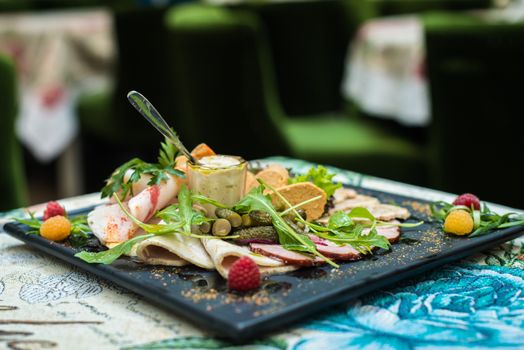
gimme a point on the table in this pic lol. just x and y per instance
(385, 66)
(385, 70)
(475, 303)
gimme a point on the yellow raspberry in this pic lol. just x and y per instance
(56, 228)
(459, 222)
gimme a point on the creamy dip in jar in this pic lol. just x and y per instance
(218, 177)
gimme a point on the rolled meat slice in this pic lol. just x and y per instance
(224, 254)
(145, 204)
(278, 252)
(110, 224)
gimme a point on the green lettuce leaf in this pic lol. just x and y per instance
(321, 177)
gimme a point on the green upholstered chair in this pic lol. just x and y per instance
(14, 5)
(109, 124)
(475, 71)
(12, 178)
(396, 7)
(309, 41)
(227, 96)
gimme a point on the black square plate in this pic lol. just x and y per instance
(202, 297)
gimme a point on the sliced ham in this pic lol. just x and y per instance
(358, 201)
(392, 233)
(334, 251)
(343, 193)
(386, 212)
(278, 252)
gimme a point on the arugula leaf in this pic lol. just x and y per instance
(32, 222)
(288, 238)
(203, 199)
(183, 212)
(158, 171)
(485, 220)
(361, 213)
(440, 209)
(355, 236)
(340, 220)
(78, 237)
(321, 177)
(80, 231)
(107, 257)
(178, 217)
(342, 229)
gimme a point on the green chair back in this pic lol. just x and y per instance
(396, 7)
(12, 178)
(475, 72)
(222, 94)
(308, 42)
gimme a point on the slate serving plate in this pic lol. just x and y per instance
(202, 297)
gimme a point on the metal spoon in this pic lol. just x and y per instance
(149, 112)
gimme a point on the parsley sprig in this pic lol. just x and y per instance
(158, 172)
(485, 220)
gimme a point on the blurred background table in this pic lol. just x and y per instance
(477, 303)
(385, 70)
(385, 73)
(58, 55)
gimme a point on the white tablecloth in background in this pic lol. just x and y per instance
(385, 65)
(58, 55)
(385, 70)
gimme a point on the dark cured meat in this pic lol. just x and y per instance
(324, 247)
(335, 252)
(278, 252)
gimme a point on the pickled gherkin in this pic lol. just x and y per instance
(256, 218)
(234, 218)
(257, 234)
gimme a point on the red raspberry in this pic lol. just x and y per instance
(244, 275)
(468, 200)
(53, 209)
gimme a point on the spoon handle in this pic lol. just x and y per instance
(149, 112)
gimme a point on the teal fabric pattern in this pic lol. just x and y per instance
(459, 307)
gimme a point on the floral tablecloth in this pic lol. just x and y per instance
(477, 303)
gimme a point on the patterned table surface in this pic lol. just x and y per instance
(478, 302)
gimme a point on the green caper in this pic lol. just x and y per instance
(221, 227)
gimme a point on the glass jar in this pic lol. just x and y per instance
(219, 177)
